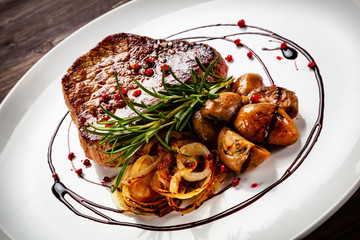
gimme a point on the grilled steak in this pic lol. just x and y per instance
(90, 81)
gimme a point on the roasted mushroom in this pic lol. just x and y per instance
(224, 108)
(268, 123)
(206, 129)
(282, 97)
(237, 153)
(246, 83)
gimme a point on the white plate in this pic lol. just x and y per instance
(328, 30)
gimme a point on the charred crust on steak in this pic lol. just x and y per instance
(93, 74)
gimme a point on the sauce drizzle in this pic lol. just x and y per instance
(60, 190)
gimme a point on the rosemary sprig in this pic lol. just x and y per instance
(173, 111)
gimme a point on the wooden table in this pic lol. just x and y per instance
(30, 28)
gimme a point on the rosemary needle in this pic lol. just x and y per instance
(173, 111)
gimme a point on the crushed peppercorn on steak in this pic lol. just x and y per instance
(90, 81)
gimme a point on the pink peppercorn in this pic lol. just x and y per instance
(241, 23)
(238, 42)
(283, 45)
(105, 97)
(189, 164)
(235, 182)
(109, 107)
(55, 176)
(209, 156)
(223, 168)
(149, 62)
(78, 171)
(135, 66)
(166, 67)
(255, 98)
(136, 93)
(87, 163)
(149, 72)
(106, 179)
(229, 58)
(71, 156)
(117, 96)
(249, 54)
(121, 103)
(311, 65)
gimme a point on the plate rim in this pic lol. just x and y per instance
(9, 98)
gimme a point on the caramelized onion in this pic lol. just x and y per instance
(217, 182)
(159, 184)
(194, 149)
(135, 193)
(138, 172)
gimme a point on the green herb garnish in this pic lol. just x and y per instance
(172, 112)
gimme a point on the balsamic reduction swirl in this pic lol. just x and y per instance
(60, 190)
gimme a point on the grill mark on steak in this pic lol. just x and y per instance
(93, 74)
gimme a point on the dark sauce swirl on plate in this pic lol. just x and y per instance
(291, 52)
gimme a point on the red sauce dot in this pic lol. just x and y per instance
(249, 54)
(254, 185)
(279, 58)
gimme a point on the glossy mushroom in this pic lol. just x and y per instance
(224, 108)
(282, 97)
(246, 83)
(268, 123)
(237, 153)
(206, 129)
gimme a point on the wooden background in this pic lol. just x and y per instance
(30, 28)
